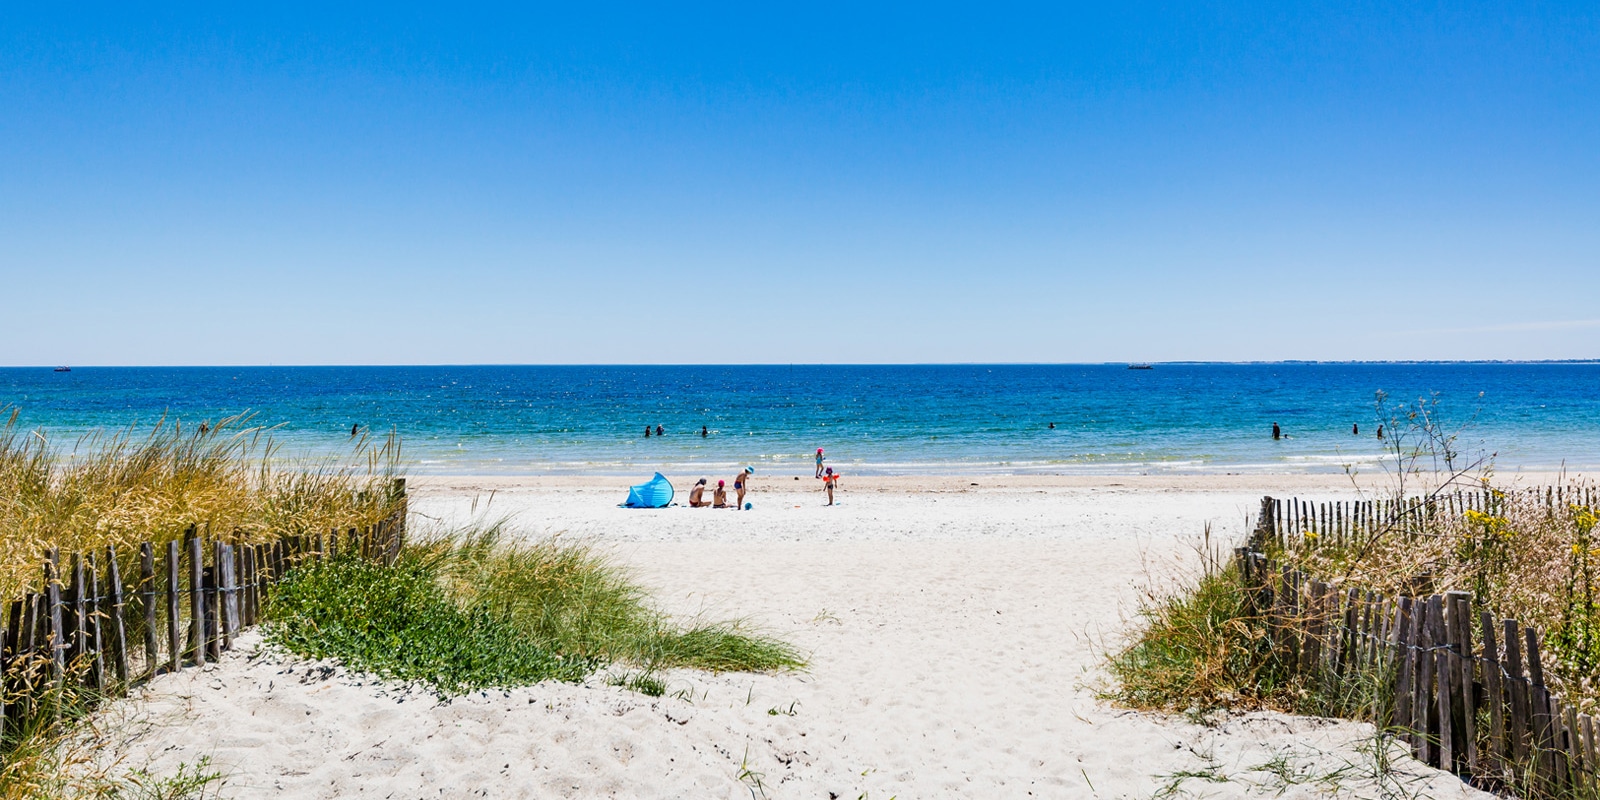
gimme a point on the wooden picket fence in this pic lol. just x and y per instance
(1466, 692)
(1307, 523)
(90, 628)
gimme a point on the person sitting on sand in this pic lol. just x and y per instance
(830, 479)
(719, 498)
(697, 495)
(739, 482)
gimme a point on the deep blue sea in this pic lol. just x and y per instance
(871, 419)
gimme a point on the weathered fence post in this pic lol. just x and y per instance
(1405, 664)
(78, 636)
(147, 601)
(1543, 737)
(57, 636)
(197, 602)
(1494, 695)
(227, 583)
(174, 621)
(94, 641)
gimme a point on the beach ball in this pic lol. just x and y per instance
(748, 506)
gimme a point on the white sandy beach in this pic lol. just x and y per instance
(954, 631)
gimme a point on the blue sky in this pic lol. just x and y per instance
(911, 183)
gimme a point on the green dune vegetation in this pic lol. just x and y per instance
(476, 608)
(457, 610)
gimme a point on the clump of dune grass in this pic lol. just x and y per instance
(1205, 646)
(475, 608)
(121, 488)
(571, 599)
(396, 621)
(1201, 647)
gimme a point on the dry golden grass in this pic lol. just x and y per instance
(1528, 558)
(126, 487)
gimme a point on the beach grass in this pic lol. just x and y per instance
(1199, 649)
(397, 622)
(125, 487)
(475, 608)
(571, 599)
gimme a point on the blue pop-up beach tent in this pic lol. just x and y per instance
(653, 493)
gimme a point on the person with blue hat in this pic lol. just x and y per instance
(739, 482)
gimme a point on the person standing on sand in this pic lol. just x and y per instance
(719, 498)
(739, 482)
(697, 495)
(819, 462)
(830, 479)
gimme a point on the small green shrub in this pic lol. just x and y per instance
(397, 621)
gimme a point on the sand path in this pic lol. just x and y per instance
(954, 634)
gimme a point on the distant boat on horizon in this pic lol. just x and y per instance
(1140, 366)
(63, 369)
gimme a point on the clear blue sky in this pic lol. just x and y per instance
(912, 183)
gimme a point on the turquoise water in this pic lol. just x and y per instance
(871, 419)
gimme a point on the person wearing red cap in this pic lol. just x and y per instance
(819, 462)
(719, 498)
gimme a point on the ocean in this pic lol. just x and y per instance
(966, 419)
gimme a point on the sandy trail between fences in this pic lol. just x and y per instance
(954, 633)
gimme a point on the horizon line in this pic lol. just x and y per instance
(1178, 362)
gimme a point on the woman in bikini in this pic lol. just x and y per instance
(719, 497)
(697, 495)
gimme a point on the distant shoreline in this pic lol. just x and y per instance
(465, 485)
(709, 364)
